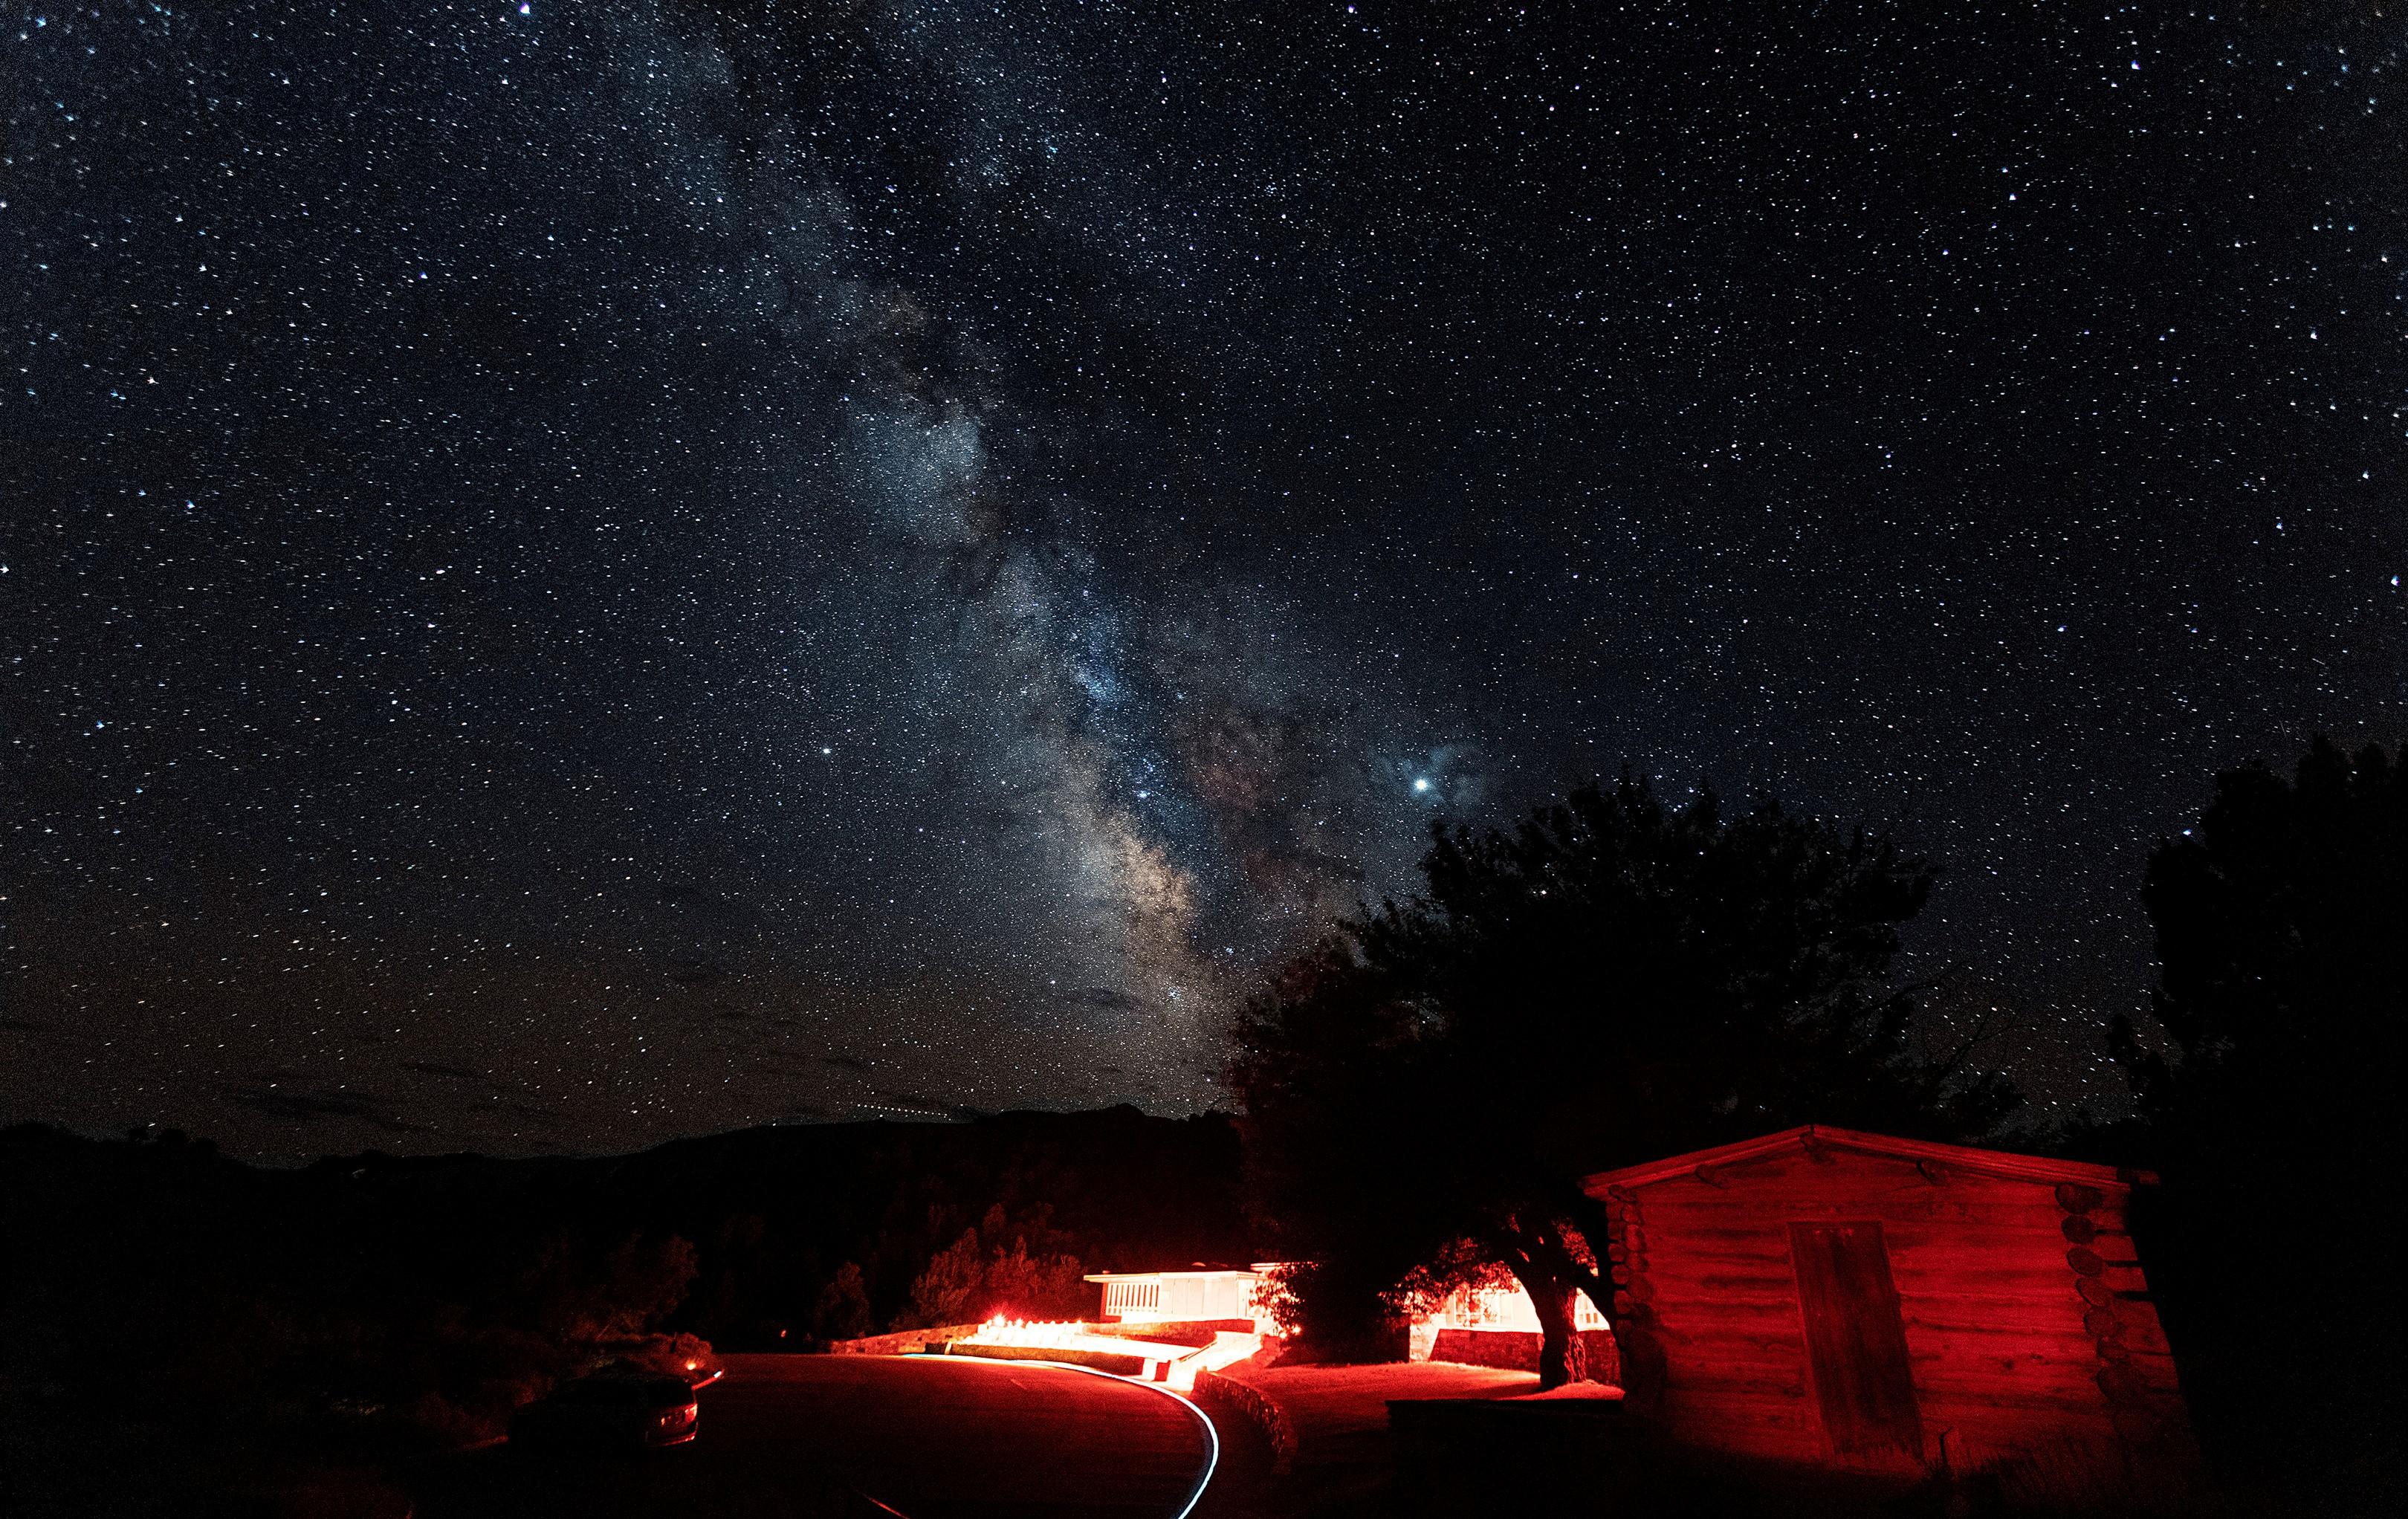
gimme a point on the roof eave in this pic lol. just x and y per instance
(1963, 1157)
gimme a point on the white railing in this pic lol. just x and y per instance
(1125, 1297)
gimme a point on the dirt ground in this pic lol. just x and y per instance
(1343, 1452)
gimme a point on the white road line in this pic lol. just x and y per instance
(1211, 1434)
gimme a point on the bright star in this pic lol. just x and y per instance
(1421, 784)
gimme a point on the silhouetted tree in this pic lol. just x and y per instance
(1014, 1268)
(1611, 981)
(2274, 1102)
(842, 1311)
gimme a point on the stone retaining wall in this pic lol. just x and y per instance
(903, 1342)
(1217, 1394)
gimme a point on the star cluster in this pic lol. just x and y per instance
(577, 573)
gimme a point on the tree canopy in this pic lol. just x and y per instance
(2282, 922)
(2282, 939)
(1614, 979)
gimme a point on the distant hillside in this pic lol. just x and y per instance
(172, 1321)
(775, 1214)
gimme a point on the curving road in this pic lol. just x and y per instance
(924, 1437)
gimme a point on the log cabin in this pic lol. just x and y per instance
(1856, 1300)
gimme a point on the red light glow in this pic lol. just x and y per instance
(1176, 1364)
(999, 1330)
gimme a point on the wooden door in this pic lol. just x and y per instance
(1855, 1340)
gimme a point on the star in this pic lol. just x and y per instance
(1228, 459)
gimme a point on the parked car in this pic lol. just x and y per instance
(630, 1411)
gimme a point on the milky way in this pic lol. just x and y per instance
(578, 574)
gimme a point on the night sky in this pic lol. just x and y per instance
(584, 573)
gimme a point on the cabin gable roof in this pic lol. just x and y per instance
(1811, 1137)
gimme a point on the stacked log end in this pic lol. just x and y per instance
(2135, 1368)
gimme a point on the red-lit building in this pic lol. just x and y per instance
(1838, 1298)
(1478, 1325)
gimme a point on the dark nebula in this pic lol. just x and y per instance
(579, 573)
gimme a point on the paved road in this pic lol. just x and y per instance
(929, 1438)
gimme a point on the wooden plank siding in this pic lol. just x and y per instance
(2020, 1297)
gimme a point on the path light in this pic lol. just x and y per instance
(1033, 1334)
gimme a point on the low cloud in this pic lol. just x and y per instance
(430, 1068)
(311, 1107)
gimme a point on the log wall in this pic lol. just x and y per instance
(2029, 1326)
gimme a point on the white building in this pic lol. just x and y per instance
(1203, 1296)
(1185, 1296)
(1504, 1310)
